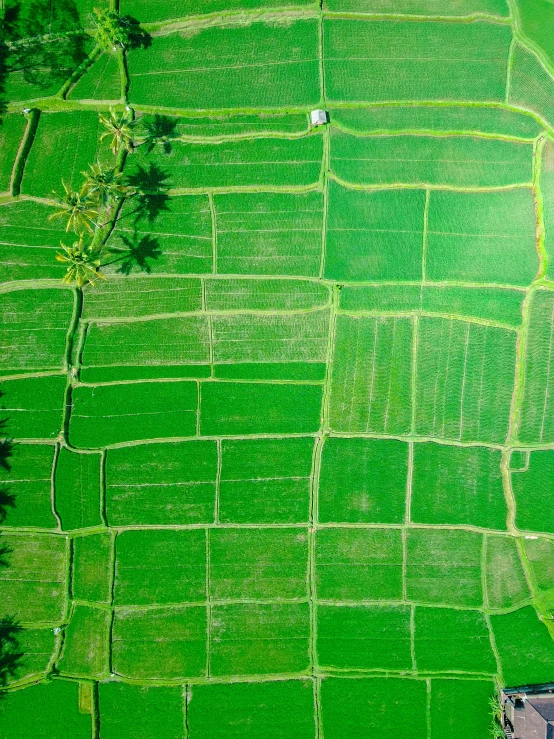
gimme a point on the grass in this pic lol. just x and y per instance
(284, 472)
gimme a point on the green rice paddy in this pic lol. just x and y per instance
(288, 472)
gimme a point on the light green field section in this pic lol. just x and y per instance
(274, 710)
(11, 133)
(162, 234)
(450, 119)
(359, 564)
(482, 237)
(44, 709)
(91, 574)
(34, 406)
(258, 564)
(363, 480)
(371, 378)
(77, 486)
(444, 567)
(37, 647)
(547, 190)
(265, 480)
(33, 584)
(27, 477)
(531, 86)
(260, 65)
(132, 711)
(101, 82)
(364, 637)
(29, 241)
(506, 585)
(537, 406)
(65, 144)
(473, 472)
(161, 484)
(163, 10)
(464, 379)
(421, 7)
(533, 490)
(138, 653)
(256, 162)
(374, 235)
(366, 61)
(34, 327)
(85, 649)
(259, 638)
(265, 295)
(269, 233)
(539, 553)
(160, 566)
(447, 694)
(232, 124)
(452, 161)
(436, 651)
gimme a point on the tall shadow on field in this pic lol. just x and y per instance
(150, 187)
(10, 652)
(159, 130)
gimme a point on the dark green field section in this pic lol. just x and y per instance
(287, 472)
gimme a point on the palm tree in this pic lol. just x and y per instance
(79, 208)
(120, 129)
(103, 184)
(84, 262)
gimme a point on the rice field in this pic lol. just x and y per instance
(287, 472)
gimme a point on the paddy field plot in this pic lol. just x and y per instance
(287, 471)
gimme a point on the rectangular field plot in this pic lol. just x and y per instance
(154, 567)
(258, 564)
(380, 299)
(142, 296)
(265, 480)
(475, 476)
(45, 710)
(273, 710)
(448, 695)
(506, 585)
(37, 647)
(29, 242)
(133, 711)
(162, 234)
(33, 329)
(364, 637)
(228, 124)
(482, 237)
(359, 564)
(148, 410)
(363, 481)
(428, 118)
(265, 295)
(249, 66)
(234, 409)
(528, 659)
(540, 555)
(161, 341)
(371, 383)
(255, 162)
(101, 82)
(77, 489)
(374, 235)
(85, 649)
(406, 60)
(159, 643)
(161, 484)
(295, 371)
(11, 133)
(420, 7)
(65, 144)
(269, 233)
(163, 10)
(533, 490)
(246, 338)
(536, 424)
(444, 567)
(92, 567)
(34, 406)
(25, 477)
(374, 707)
(531, 86)
(501, 306)
(33, 585)
(464, 383)
(458, 161)
(259, 639)
(547, 191)
(437, 651)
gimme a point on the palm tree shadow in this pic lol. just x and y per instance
(160, 130)
(150, 187)
(136, 252)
